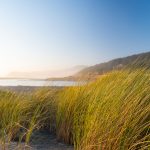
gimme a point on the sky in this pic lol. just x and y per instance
(38, 35)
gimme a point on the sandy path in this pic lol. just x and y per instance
(42, 140)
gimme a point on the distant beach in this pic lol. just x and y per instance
(25, 88)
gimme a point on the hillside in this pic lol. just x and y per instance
(92, 72)
(138, 60)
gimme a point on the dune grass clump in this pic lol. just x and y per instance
(113, 113)
(12, 116)
(46, 103)
(21, 114)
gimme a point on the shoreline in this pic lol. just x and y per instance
(20, 88)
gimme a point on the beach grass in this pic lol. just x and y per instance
(111, 113)
(21, 114)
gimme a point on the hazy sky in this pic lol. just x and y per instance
(56, 34)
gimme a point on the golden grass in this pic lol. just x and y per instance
(21, 114)
(112, 113)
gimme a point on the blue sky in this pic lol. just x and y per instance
(54, 34)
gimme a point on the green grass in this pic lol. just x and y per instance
(112, 113)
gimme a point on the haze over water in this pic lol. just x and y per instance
(31, 82)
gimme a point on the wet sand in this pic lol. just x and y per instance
(19, 88)
(26, 88)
